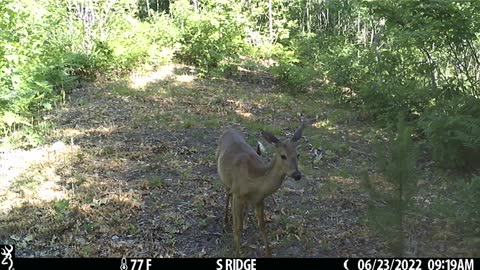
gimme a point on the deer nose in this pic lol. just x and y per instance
(297, 175)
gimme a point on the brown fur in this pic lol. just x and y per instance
(248, 179)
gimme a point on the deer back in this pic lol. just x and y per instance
(236, 158)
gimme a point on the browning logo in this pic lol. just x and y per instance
(7, 253)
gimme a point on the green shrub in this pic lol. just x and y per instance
(344, 63)
(386, 100)
(452, 130)
(143, 43)
(459, 209)
(46, 49)
(384, 83)
(22, 90)
(212, 38)
(295, 78)
(293, 72)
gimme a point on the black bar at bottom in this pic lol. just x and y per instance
(250, 264)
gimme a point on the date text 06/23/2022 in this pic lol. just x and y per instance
(414, 264)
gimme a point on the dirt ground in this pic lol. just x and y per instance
(129, 170)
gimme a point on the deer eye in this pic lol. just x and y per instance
(283, 157)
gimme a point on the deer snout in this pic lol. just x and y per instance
(297, 175)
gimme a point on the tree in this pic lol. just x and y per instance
(391, 196)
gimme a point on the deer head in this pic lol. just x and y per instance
(286, 152)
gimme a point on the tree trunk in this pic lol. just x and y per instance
(148, 7)
(308, 17)
(270, 19)
(195, 5)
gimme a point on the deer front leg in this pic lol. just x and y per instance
(237, 209)
(261, 223)
(229, 196)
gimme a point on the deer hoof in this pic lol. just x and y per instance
(268, 254)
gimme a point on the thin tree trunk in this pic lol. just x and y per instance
(270, 19)
(148, 7)
(401, 233)
(326, 20)
(195, 5)
(433, 73)
(308, 17)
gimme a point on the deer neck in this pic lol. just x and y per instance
(273, 177)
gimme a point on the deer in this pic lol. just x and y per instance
(248, 179)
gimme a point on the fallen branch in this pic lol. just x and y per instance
(333, 166)
(362, 152)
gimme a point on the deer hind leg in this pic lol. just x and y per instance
(237, 209)
(261, 223)
(229, 197)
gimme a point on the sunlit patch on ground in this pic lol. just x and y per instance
(140, 81)
(168, 72)
(244, 114)
(322, 124)
(185, 78)
(29, 175)
(104, 129)
(72, 132)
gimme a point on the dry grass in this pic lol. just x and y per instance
(136, 175)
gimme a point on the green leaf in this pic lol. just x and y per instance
(11, 118)
(47, 105)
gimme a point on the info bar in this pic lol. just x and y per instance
(250, 263)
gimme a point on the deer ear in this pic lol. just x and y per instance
(269, 137)
(260, 148)
(298, 133)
